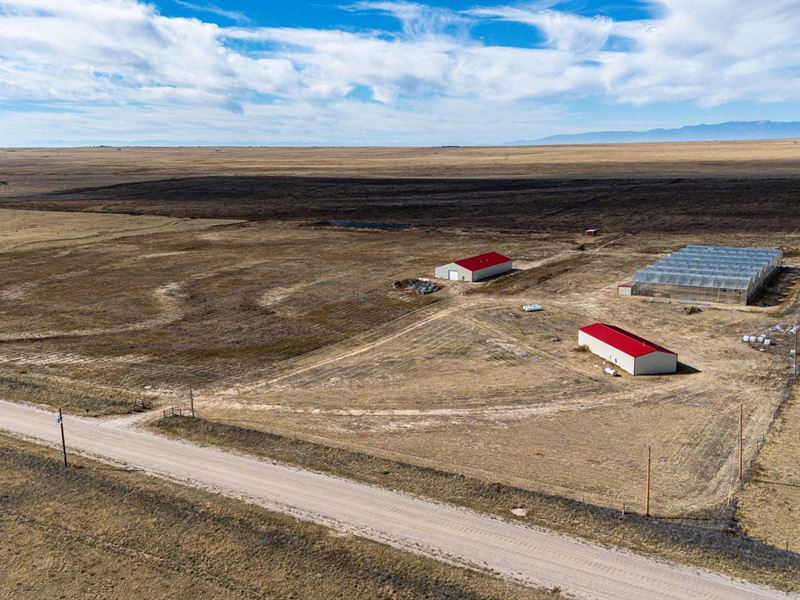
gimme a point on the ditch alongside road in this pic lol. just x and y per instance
(718, 546)
(532, 556)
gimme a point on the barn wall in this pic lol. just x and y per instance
(606, 352)
(441, 272)
(491, 271)
(655, 363)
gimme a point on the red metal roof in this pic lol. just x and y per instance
(624, 341)
(482, 261)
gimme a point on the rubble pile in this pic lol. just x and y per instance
(791, 329)
(420, 287)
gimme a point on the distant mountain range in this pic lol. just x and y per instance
(731, 130)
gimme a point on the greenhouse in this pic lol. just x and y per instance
(708, 273)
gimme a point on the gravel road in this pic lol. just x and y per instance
(532, 556)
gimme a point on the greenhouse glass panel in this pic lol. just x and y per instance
(709, 273)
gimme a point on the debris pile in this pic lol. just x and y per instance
(419, 287)
(783, 329)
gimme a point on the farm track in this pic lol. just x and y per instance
(110, 234)
(363, 343)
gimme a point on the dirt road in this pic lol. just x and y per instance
(532, 556)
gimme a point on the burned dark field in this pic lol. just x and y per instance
(631, 205)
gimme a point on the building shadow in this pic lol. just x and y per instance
(778, 288)
(684, 369)
(509, 273)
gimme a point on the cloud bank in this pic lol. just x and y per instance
(118, 71)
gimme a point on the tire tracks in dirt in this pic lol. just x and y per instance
(171, 308)
(347, 353)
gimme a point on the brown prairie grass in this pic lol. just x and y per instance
(768, 509)
(718, 546)
(44, 170)
(95, 531)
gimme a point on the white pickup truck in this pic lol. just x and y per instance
(532, 308)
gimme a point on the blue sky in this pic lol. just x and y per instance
(384, 72)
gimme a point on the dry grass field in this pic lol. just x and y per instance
(716, 546)
(297, 329)
(37, 230)
(281, 325)
(35, 171)
(768, 509)
(96, 531)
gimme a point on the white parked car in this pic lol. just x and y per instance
(532, 308)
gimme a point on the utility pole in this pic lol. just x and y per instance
(647, 487)
(191, 400)
(741, 443)
(63, 442)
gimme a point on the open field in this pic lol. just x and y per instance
(634, 205)
(30, 229)
(718, 547)
(281, 325)
(96, 531)
(35, 171)
(768, 508)
(297, 329)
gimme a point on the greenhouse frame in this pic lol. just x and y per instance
(708, 273)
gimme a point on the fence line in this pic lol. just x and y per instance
(177, 411)
(762, 439)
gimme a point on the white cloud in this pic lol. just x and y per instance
(127, 72)
(709, 52)
(703, 52)
(572, 34)
(418, 19)
(233, 15)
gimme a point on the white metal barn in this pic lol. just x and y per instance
(474, 268)
(626, 350)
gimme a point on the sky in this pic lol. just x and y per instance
(384, 72)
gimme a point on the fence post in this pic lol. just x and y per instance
(741, 443)
(647, 488)
(63, 441)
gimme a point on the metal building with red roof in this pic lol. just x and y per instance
(475, 268)
(627, 350)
